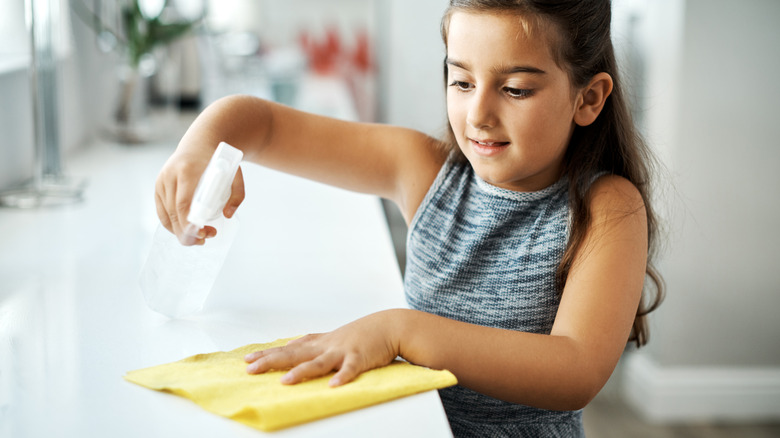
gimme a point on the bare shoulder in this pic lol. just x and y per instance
(612, 195)
(617, 214)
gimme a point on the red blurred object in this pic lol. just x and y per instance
(327, 56)
(361, 57)
(324, 56)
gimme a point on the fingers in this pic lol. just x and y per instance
(276, 359)
(188, 234)
(236, 195)
(347, 373)
(306, 338)
(175, 188)
(346, 351)
(251, 357)
(317, 367)
(169, 217)
(209, 232)
(162, 214)
(305, 361)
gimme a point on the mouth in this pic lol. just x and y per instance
(488, 147)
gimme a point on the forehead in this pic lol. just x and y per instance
(501, 37)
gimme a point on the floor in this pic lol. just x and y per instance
(608, 416)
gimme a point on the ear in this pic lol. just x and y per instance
(592, 98)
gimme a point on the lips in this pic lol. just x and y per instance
(491, 143)
(488, 147)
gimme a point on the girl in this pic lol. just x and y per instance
(530, 224)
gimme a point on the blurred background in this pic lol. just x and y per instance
(703, 81)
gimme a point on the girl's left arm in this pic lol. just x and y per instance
(563, 370)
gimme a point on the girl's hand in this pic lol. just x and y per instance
(360, 346)
(175, 188)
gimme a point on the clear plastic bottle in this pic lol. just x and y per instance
(176, 279)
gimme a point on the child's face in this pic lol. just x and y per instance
(510, 106)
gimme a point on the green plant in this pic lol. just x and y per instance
(143, 35)
(139, 34)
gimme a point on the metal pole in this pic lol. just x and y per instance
(48, 186)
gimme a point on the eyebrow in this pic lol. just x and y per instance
(503, 70)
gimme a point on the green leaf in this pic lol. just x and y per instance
(166, 33)
(141, 36)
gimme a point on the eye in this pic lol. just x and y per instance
(517, 93)
(461, 85)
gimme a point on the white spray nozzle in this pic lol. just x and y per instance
(213, 190)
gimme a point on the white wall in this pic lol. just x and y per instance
(280, 23)
(412, 53)
(712, 113)
(721, 266)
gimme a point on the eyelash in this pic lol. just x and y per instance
(514, 93)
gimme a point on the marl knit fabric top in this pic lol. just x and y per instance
(486, 255)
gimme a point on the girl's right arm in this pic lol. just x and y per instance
(395, 163)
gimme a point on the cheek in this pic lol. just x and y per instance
(455, 116)
(556, 120)
(450, 105)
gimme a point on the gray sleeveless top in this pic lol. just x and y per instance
(485, 255)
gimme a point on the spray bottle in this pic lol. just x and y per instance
(176, 279)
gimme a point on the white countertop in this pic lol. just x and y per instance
(307, 258)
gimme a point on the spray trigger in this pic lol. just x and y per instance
(213, 190)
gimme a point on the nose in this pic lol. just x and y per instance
(481, 114)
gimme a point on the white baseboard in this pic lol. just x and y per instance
(692, 394)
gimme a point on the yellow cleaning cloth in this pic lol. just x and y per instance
(219, 383)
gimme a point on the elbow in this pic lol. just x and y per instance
(578, 391)
(573, 398)
(567, 394)
(583, 378)
(581, 398)
(590, 387)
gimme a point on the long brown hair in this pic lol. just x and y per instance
(583, 48)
